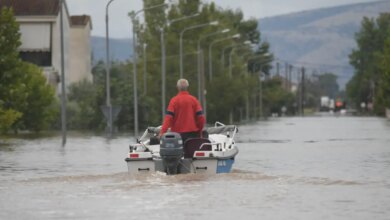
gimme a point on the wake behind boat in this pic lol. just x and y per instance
(214, 153)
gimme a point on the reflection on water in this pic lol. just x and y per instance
(295, 168)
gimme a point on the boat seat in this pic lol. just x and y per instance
(193, 144)
(154, 140)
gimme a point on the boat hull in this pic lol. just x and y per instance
(212, 154)
(199, 166)
(225, 165)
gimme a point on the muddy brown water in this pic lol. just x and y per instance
(288, 168)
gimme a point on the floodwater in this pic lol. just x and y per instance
(288, 168)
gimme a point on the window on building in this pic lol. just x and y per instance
(38, 58)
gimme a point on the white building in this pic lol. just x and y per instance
(80, 44)
(39, 22)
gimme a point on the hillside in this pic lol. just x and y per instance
(319, 39)
(120, 49)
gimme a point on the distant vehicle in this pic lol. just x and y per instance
(325, 104)
(331, 104)
(340, 105)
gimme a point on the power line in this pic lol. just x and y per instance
(315, 64)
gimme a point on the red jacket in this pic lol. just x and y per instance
(184, 114)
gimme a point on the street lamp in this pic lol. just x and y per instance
(261, 91)
(210, 52)
(201, 86)
(226, 48)
(223, 53)
(145, 69)
(163, 61)
(108, 67)
(181, 40)
(199, 55)
(246, 43)
(247, 106)
(133, 15)
(63, 90)
(230, 70)
(267, 58)
(266, 55)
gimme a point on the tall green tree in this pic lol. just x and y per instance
(24, 95)
(384, 83)
(328, 85)
(275, 97)
(11, 85)
(370, 40)
(40, 109)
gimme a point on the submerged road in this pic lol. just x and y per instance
(288, 168)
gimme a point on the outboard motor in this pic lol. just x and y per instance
(171, 151)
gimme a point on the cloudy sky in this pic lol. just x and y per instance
(120, 23)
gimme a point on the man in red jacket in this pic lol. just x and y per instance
(184, 114)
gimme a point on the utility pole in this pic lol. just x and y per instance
(108, 67)
(199, 56)
(163, 63)
(299, 92)
(203, 79)
(163, 73)
(261, 94)
(236, 36)
(303, 92)
(289, 77)
(286, 76)
(231, 110)
(181, 41)
(145, 70)
(199, 76)
(247, 97)
(133, 16)
(63, 91)
(135, 89)
(277, 68)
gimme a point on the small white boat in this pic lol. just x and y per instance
(215, 153)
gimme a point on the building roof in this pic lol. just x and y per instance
(81, 20)
(43, 8)
(32, 7)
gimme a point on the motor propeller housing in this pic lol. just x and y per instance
(171, 151)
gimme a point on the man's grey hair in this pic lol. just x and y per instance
(182, 84)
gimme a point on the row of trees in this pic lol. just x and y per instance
(225, 94)
(87, 98)
(27, 102)
(234, 90)
(371, 59)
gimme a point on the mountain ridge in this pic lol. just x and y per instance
(324, 37)
(319, 39)
(120, 49)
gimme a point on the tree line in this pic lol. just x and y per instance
(224, 93)
(240, 88)
(371, 60)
